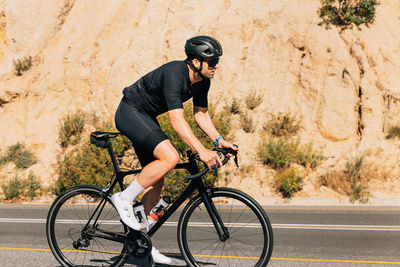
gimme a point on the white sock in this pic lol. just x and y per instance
(131, 192)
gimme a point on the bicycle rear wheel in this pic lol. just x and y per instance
(69, 236)
(250, 238)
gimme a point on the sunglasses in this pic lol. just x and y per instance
(212, 62)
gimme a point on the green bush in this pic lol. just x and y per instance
(247, 123)
(22, 65)
(85, 165)
(280, 153)
(253, 99)
(353, 171)
(70, 130)
(288, 182)
(282, 125)
(348, 12)
(29, 187)
(88, 164)
(19, 155)
(307, 156)
(32, 186)
(277, 153)
(13, 188)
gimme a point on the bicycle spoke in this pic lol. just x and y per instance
(76, 254)
(104, 249)
(247, 236)
(214, 251)
(84, 257)
(207, 246)
(237, 256)
(68, 227)
(223, 246)
(243, 226)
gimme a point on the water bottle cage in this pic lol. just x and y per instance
(139, 216)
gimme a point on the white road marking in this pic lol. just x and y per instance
(245, 225)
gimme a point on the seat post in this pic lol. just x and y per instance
(112, 155)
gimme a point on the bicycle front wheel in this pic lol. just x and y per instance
(250, 237)
(74, 220)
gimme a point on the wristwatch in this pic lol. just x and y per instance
(216, 142)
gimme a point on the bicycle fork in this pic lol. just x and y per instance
(214, 214)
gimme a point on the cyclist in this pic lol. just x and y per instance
(164, 90)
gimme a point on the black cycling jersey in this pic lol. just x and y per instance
(166, 88)
(163, 89)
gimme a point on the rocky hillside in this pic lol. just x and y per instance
(343, 85)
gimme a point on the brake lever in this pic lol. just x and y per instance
(215, 169)
(216, 166)
(236, 161)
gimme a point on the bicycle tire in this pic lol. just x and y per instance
(244, 218)
(67, 217)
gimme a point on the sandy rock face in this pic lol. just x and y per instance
(342, 84)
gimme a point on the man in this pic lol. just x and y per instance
(164, 90)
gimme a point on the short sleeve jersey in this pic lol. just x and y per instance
(166, 88)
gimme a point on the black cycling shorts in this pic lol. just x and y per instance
(142, 130)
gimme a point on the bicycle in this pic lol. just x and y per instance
(83, 228)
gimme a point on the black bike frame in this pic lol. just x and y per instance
(196, 183)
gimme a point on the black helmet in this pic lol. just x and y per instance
(202, 47)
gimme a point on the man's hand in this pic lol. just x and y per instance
(225, 144)
(210, 158)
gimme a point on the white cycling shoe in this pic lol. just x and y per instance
(159, 258)
(125, 211)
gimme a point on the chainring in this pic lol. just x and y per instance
(138, 244)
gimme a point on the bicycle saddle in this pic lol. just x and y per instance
(101, 139)
(99, 134)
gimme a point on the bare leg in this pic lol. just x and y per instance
(153, 173)
(152, 195)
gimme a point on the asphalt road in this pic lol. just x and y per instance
(304, 236)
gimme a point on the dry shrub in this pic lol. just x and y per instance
(247, 169)
(394, 132)
(351, 181)
(20, 155)
(22, 65)
(253, 99)
(282, 125)
(247, 123)
(337, 181)
(233, 107)
(70, 130)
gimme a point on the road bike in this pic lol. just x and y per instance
(217, 226)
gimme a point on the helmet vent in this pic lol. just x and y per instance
(203, 47)
(208, 52)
